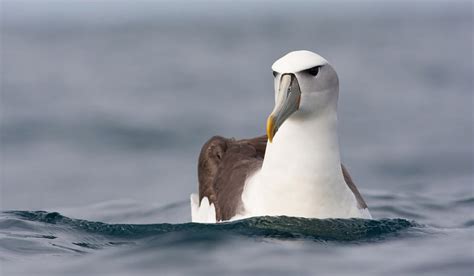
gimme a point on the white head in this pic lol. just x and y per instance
(306, 86)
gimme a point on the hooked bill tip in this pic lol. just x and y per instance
(270, 127)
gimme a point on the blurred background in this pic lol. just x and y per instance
(104, 107)
(107, 102)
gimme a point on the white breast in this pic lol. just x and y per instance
(301, 175)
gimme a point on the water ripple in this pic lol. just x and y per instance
(271, 227)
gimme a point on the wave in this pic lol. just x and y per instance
(282, 227)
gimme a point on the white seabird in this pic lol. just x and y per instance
(298, 172)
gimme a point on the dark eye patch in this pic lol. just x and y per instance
(275, 73)
(313, 71)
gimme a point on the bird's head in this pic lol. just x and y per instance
(306, 85)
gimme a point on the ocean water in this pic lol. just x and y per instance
(104, 107)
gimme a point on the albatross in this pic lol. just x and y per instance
(294, 170)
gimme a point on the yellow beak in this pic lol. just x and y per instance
(270, 127)
(287, 101)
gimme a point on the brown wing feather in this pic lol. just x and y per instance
(224, 165)
(360, 201)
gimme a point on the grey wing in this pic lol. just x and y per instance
(360, 201)
(224, 165)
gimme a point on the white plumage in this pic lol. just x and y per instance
(301, 174)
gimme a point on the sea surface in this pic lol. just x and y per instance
(104, 106)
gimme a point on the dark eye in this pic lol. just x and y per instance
(275, 73)
(313, 71)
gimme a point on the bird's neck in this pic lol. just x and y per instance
(306, 146)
